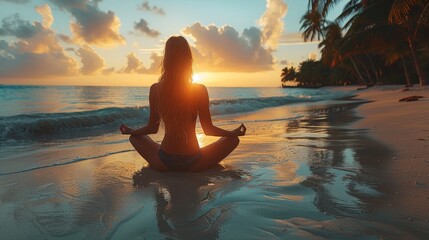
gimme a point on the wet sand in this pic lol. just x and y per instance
(403, 127)
(310, 174)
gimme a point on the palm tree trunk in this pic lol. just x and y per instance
(372, 66)
(407, 76)
(368, 74)
(421, 18)
(357, 71)
(416, 63)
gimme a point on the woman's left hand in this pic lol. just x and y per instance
(125, 129)
(240, 131)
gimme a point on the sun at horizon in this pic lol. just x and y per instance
(197, 78)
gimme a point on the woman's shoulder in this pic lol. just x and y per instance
(199, 87)
(200, 92)
(154, 91)
(154, 86)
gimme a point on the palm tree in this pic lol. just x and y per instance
(312, 23)
(323, 5)
(288, 74)
(313, 74)
(377, 30)
(330, 45)
(368, 38)
(383, 39)
(351, 10)
(402, 9)
(369, 26)
(411, 15)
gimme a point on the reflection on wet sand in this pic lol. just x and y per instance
(344, 163)
(182, 199)
(312, 177)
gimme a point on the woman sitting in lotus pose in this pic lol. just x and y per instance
(177, 102)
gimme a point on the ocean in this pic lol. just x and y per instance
(36, 120)
(35, 113)
(300, 172)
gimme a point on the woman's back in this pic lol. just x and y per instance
(180, 137)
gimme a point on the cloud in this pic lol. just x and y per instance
(146, 7)
(154, 66)
(34, 38)
(294, 39)
(15, 26)
(35, 53)
(108, 71)
(284, 62)
(224, 49)
(46, 13)
(91, 61)
(135, 65)
(3, 44)
(142, 27)
(92, 26)
(16, 1)
(27, 64)
(65, 38)
(272, 22)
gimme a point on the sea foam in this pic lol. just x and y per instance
(33, 126)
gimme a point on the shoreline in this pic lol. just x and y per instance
(403, 127)
(302, 171)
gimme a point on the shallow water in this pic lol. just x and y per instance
(306, 177)
(24, 99)
(49, 113)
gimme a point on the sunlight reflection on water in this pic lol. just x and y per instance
(287, 179)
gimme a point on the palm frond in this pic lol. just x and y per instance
(401, 9)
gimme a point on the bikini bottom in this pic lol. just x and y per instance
(177, 162)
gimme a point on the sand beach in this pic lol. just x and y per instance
(403, 127)
(347, 168)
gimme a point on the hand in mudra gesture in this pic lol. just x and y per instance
(240, 131)
(125, 129)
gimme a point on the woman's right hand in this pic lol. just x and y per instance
(240, 131)
(125, 129)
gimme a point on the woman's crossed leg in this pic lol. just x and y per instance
(211, 154)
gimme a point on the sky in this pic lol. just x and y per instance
(235, 43)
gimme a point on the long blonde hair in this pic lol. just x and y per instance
(175, 82)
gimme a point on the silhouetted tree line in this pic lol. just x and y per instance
(370, 42)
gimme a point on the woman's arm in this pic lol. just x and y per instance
(206, 119)
(154, 118)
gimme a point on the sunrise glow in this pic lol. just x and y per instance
(196, 78)
(111, 43)
(214, 119)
